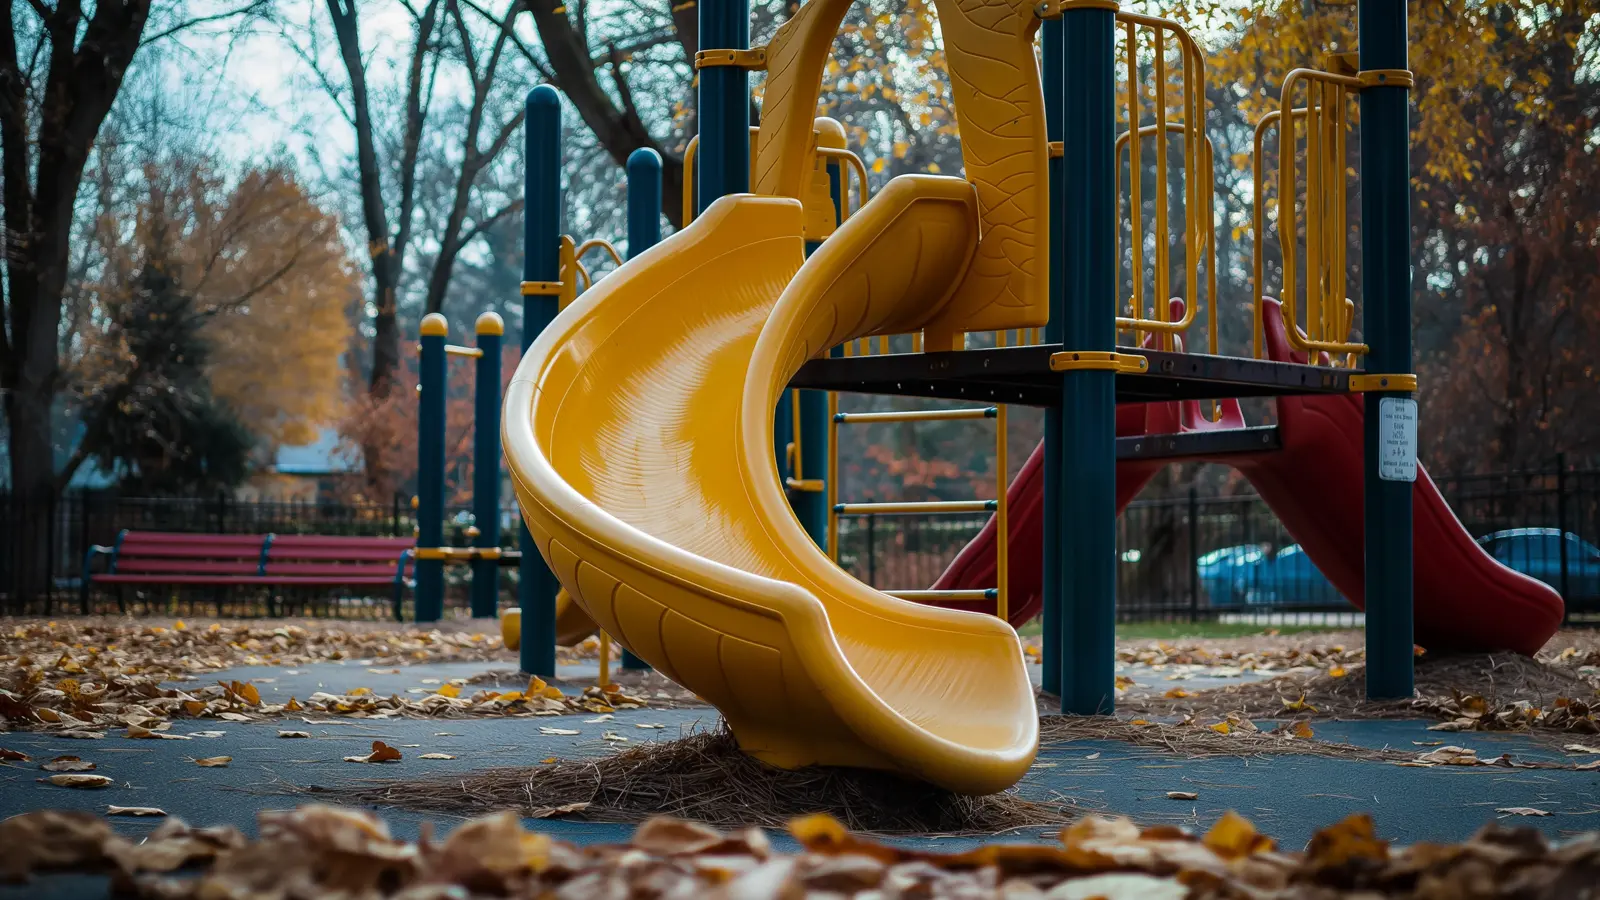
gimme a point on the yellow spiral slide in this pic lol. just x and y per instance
(639, 433)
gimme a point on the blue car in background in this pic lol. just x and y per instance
(1219, 573)
(1248, 575)
(1536, 552)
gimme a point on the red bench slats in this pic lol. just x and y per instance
(335, 554)
(297, 541)
(325, 569)
(167, 578)
(187, 566)
(155, 557)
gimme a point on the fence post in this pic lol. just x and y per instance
(1561, 524)
(1194, 554)
(83, 547)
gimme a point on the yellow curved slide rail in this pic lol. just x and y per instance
(639, 434)
(639, 428)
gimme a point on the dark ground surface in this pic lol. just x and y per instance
(1288, 797)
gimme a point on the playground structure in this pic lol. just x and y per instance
(658, 446)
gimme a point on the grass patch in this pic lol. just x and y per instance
(1177, 631)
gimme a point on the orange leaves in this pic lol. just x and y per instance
(1233, 836)
(381, 753)
(68, 764)
(1349, 840)
(449, 690)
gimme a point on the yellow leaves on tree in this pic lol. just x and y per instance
(277, 356)
(264, 272)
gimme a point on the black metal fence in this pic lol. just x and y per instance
(1186, 557)
(1197, 557)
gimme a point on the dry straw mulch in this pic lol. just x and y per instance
(708, 778)
(1548, 695)
(320, 851)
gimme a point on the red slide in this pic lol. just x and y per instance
(1464, 599)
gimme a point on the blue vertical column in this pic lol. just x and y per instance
(644, 232)
(1053, 69)
(491, 330)
(1391, 417)
(430, 467)
(724, 103)
(811, 507)
(541, 242)
(1086, 463)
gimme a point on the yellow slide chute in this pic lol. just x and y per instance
(639, 432)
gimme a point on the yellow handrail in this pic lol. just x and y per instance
(852, 160)
(602, 244)
(1193, 236)
(1199, 183)
(1258, 224)
(1328, 318)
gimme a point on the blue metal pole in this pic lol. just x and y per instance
(644, 232)
(430, 467)
(541, 242)
(811, 507)
(724, 103)
(1086, 465)
(1391, 418)
(1054, 72)
(486, 465)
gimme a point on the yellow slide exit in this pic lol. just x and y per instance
(638, 430)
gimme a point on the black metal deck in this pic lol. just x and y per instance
(1022, 375)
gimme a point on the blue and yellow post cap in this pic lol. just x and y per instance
(435, 325)
(490, 323)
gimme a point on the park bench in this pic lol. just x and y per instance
(273, 562)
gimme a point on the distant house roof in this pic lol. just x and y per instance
(326, 455)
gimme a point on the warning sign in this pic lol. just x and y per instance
(1397, 439)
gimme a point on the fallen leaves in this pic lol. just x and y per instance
(213, 762)
(13, 755)
(141, 732)
(545, 729)
(1470, 712)
(327, 851)
(68, 764)
(73, 780)
(381, 753)
(1182, 795)
(436, 756)
(1521, 811)
(294, 734)
(143, 811)
(1233, 837)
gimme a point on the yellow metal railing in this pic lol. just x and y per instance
(1153, 316)
(850, 160)
(1329, 312)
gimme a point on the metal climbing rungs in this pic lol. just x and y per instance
(925, 506)
(998, 593)
(919, 415)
